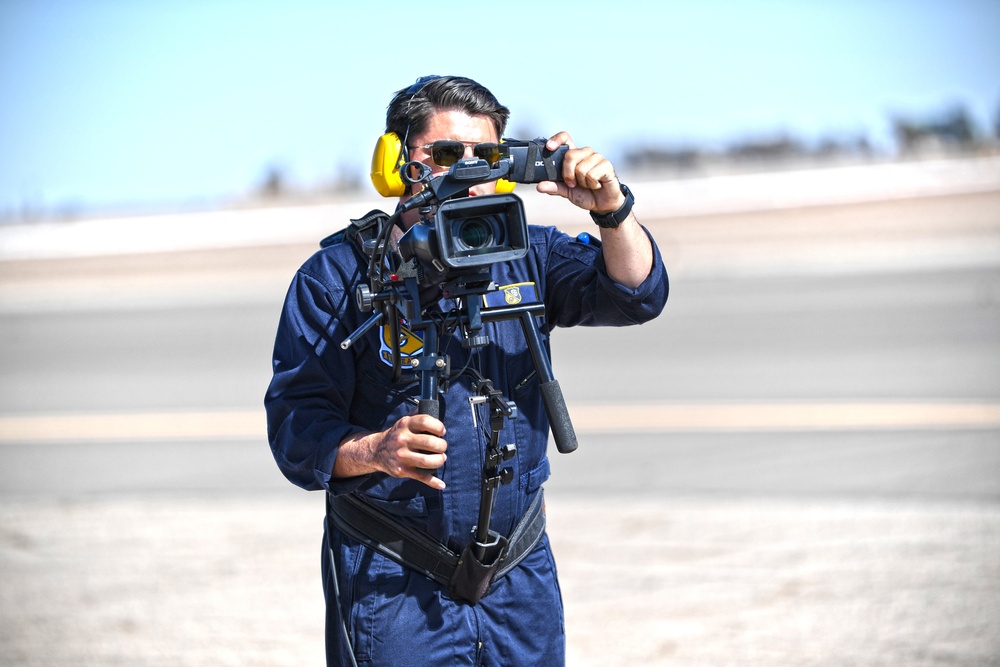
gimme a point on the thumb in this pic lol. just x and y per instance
(553, 188)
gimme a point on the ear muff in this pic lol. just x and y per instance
(504, 186)
(387, 160)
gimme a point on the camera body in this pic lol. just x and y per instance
(469, 233)
(532, 162)
(466, 233)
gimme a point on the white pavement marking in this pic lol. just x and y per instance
(587, 419)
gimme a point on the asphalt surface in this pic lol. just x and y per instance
(838, 502)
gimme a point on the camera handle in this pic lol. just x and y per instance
(552, 396)
(430, 365)
(563, 432)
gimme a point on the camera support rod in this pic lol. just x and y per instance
(493, 474)
(563, 432)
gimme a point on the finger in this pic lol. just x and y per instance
(424, 465)
(593, 171)
(419, 423)
(575, 165)
(430, 480)
(418, 446)
(552, 188)
(426, 460)
(559, 139)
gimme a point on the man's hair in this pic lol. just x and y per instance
(411, 108)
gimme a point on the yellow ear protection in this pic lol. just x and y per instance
(389, 157)
(386, 162)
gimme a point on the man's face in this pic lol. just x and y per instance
(456, 126)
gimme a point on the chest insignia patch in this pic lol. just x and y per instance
(410, 345)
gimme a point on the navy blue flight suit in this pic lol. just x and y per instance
(321, 394)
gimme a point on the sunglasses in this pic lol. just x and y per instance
(446, 152)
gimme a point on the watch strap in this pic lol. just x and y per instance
(615, 218)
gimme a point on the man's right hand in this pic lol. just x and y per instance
(411, 448)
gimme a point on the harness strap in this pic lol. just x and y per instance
(526, 536)
(380, 531)
(366, 227)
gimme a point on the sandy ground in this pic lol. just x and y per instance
(210, 581)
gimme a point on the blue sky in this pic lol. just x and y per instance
(116, 102)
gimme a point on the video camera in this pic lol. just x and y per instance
(469, 233)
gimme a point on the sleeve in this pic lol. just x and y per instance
(309, 398)
(579, 292)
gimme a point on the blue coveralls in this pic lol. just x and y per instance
(320, 394)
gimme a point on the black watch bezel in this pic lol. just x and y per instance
(615, 218)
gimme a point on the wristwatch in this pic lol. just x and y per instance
(615, 218)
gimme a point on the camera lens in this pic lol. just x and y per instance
(475, 233)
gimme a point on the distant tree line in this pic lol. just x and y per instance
(952, 130)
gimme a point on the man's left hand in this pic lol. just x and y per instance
(589, 178)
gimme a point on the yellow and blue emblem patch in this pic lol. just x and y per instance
(511, 295)
(410, 346)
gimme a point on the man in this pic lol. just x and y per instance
(337, 421)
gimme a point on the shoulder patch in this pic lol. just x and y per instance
(511, 295)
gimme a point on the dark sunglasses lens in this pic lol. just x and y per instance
(489, 152)
(446, 153)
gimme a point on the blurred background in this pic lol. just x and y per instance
(798, 463)
(111, 105)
